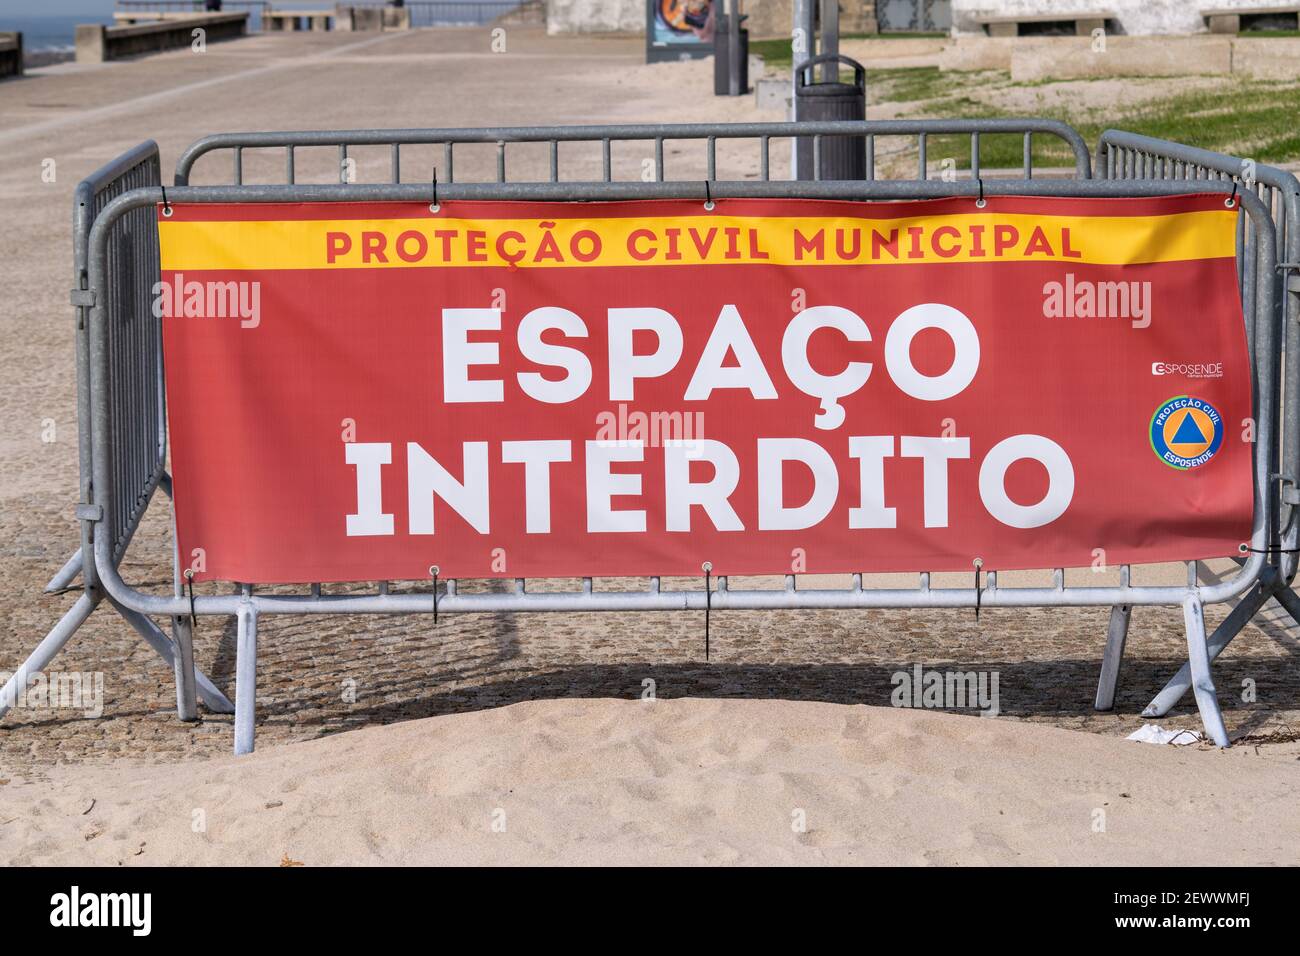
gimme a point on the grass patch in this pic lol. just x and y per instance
(1251, 119)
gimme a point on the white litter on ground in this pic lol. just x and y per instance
(1155, 734)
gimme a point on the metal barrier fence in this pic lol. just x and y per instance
(116, 378)
(918, 131)
(137, 412)
(1124, 156)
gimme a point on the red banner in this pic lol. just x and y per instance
(360, 391)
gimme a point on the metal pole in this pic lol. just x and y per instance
(803, 46)
(66, 574)
(733, 49)
(183, 638)
(830, 38)
(246, 678)
(1207, 702)
(1181, 682)
(1116, 637)
(213, 699)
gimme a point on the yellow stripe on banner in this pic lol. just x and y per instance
(694, 240)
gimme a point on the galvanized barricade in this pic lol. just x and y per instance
(1124, 156)
(136, 457)
(121, 470)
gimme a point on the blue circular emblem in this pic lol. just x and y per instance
(1186, 432)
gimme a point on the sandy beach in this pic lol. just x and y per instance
(673, 782)
(387, 740)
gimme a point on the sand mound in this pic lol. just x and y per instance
(672, 781)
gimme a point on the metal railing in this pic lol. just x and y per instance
(137, 416)
(919, 132)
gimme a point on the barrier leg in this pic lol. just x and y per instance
(246, 679)
(183, 666)
(212, 698)
(1181, 682)
(1112, 660)
(1290, 602)
(46, 650)
(183, 639)
(1198, 656)
(66, 574)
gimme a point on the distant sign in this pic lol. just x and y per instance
(678, 29)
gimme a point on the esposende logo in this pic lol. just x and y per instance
(1188, 369)
(1186, 432)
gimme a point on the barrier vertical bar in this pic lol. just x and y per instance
(246, 677)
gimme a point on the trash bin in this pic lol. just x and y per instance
(722, 60)
(842, 157)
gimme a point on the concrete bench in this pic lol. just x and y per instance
(1229, 20)
(372, 18)
(278, 20)
(97, 43)
(1009, 25)
(11, 54)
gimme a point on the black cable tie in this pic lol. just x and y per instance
(979, 591)
(708, 196)
(980, 202)
(167, 207)
(435, 207)
(708, 603)
(1233, 198)
(433, 569)
(1250, 550)
(189, 581)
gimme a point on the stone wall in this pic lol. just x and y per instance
(595, 16)
(1134, 17)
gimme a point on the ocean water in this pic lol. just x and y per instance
(56, 31)
(53, 31)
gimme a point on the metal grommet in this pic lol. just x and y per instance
(433, 570)
(167, 212)
(978, 562)
(706, 567)
(434, 207)
(1243, 548)
(1229, 202)
(981, 203)
(708, 205)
